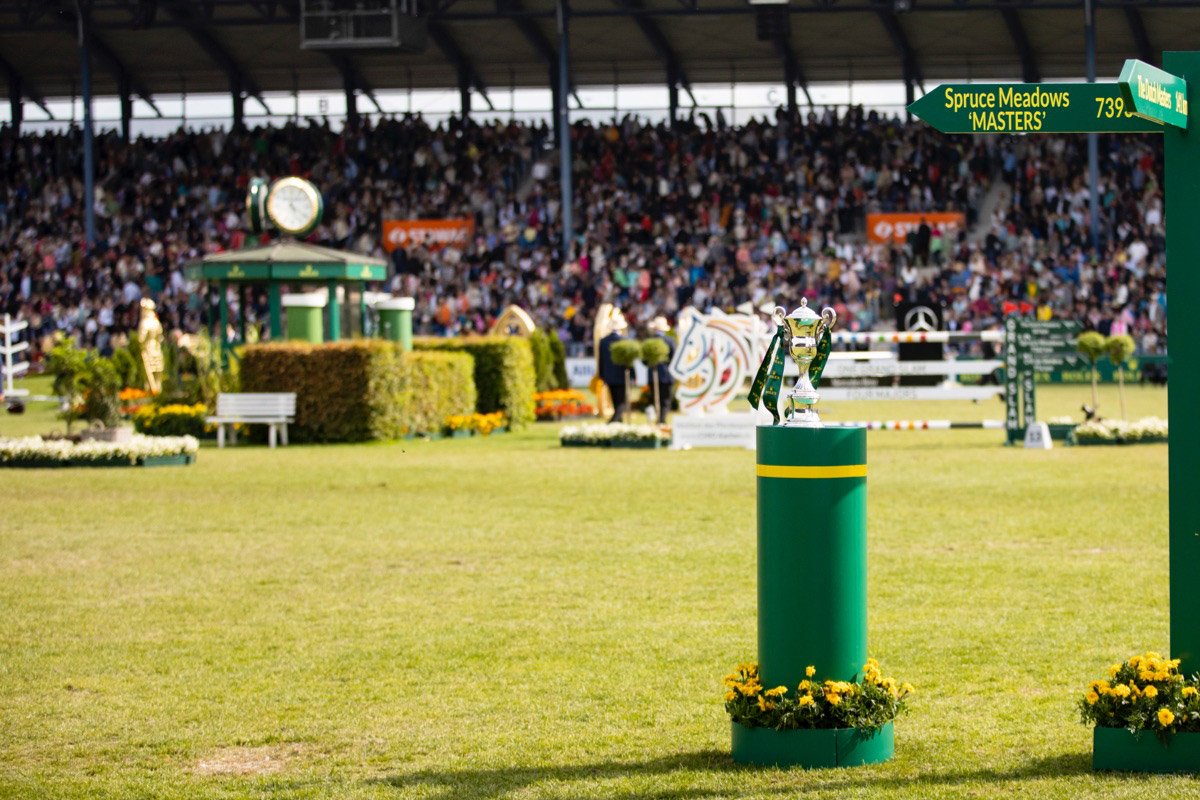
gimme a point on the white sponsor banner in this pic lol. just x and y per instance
(716, 430)
(580, 372)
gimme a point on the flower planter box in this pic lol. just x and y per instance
(1148, 440)
(179, 460)
(812, 749)
(652, 444)
(103, 462)
(1064, 432)
(463, 434)
(1118, 749)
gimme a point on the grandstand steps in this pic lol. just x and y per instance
(999, 194)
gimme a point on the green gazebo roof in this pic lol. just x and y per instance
(288, 261)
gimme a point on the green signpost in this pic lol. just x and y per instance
(1032, 346)
(1152, 101)
(1030, 108)
(1154, 95)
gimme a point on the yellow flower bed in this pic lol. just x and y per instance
(1145, 693)
(868, 703)
(483, 424)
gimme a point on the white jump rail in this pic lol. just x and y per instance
(273, 409)
(886, 369)
(915, 337)
(910, 393)
(918, 424)
(8, 349)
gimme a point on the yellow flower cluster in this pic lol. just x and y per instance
(1146, 692)
(482, 424)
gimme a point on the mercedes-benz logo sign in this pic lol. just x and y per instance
(921, 319)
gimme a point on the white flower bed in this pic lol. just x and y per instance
(35, 449)
(1147, 429)
(600, 435)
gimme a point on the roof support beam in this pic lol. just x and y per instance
(99, 48)
(468, 75)
(1137, 27)
(198, 29)
(15, 78)
(908, 57)
(352, 77)
(658, 41)
(792, 72)
(1029, 66)
(538, 41)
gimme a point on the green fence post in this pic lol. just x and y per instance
(395, 320)
(335, 313)
(304, 317)
(275, 308)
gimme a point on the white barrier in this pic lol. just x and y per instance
(850, 369)
(915, 337)
(10, 348)
(911, 393)
(919, 425)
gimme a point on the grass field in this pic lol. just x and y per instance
(508, 619)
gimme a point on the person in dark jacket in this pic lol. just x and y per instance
(612, 373)
(661, 329)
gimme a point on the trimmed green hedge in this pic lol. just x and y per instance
(354, 391)
(504, 371)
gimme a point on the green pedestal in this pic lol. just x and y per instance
(812, 586)
(812, 553)
(395, 320)
(304, 323)
(1118, 749)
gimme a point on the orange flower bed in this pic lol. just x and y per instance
(561, 404)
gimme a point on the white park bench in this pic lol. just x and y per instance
(275, 410)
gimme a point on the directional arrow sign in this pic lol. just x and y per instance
(1153, 94)
(1029, 108)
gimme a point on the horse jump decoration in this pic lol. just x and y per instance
(716, 355)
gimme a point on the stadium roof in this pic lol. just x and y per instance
(157, 47)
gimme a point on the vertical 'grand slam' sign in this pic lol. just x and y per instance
(1153, 94)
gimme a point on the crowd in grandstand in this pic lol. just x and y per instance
(666, 216)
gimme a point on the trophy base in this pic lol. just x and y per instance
(804, 417)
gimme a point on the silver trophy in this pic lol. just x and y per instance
(807, 329)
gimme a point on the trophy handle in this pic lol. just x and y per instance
(779, 314)
(829, 317)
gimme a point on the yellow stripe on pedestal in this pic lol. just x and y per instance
(844, 471)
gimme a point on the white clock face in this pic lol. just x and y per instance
(293, 205)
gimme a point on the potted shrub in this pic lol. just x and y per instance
(1119, 349)
(1091, 346)
(626, 353)
(655, 352)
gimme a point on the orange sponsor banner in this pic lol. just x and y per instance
(434, 233)
(895, 227)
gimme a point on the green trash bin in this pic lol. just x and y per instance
(395, 320)
(303, 312)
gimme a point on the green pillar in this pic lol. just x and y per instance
(1182, 174)
(812, 587)
(242, 315)
(304, 317)
(812, 553)
(395, 320)
(362, 307)
(335, 313)
(223, 319)
(274, 302)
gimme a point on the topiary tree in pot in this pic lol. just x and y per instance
(654, 353)
(626, 353)
(1090, 345)
(1119, 349)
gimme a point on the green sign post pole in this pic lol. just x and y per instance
(1149, 100)
(1182, 168)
